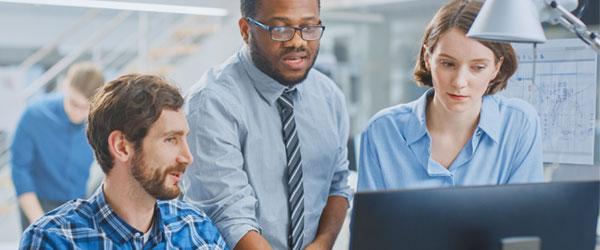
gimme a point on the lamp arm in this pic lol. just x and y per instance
(576, 26)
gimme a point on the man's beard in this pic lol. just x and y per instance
(153, 182)
(263, 63)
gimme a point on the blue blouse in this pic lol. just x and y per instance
(506, 147)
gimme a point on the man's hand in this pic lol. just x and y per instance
(317, 245)
(330, 223)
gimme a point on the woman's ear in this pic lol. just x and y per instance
(426, 57)
(497, 67)
(120, 148)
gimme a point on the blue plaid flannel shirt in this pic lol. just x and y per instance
(92, 224)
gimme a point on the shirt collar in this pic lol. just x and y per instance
(418, 125)
(267, 87)
(489, 118)
(117, 229)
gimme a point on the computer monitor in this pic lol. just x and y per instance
(563, 215)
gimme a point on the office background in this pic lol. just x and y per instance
(369, 49)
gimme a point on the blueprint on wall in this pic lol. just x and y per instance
(564, 94)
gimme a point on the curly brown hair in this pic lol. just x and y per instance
(460, 14)
(130, 104)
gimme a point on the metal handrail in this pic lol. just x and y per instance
(4, 164)
(112, 58)
(65, 62)
(43, 52)
(4, 150)
(162, 40)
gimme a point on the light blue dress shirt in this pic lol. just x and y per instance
(238, 174)
(506, 147)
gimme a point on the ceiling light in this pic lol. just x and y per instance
(115, 5)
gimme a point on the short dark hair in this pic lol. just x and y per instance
(460, 14)
(130, 104)
(249, 8)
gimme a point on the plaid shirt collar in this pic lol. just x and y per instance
(116, 228)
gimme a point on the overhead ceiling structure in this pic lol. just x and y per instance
(131, 6)
(392, 8)
(26, 25)
(30, 24)
(349, 4)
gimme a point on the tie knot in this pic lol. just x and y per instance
(285, 100)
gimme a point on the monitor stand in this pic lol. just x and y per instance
(522, 243)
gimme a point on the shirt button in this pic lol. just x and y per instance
(137, 235)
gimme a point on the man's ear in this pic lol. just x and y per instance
(244, 29)
(120, 148)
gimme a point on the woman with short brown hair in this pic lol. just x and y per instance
(459, 132)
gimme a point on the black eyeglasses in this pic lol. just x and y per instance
(286, 33)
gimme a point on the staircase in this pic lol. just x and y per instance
(119, 42)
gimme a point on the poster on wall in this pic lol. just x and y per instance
(562, 87)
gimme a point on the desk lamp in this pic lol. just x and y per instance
(520, 21)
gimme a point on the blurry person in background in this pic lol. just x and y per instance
(459, 132)
(51, 157)
(138, 131)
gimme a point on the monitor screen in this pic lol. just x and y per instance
(561, 215)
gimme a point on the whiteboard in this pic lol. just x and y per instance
(564, 93)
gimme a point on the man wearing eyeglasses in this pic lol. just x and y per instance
(269, 135)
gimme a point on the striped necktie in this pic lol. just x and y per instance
(294, 169)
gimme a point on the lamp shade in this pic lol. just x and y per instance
(508, 21)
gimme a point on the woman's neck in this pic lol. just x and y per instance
(443, 121)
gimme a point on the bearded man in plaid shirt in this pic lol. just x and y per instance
(138, 131)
